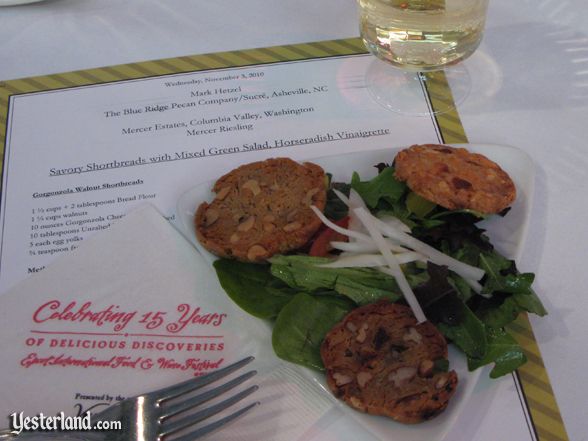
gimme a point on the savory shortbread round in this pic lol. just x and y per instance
(455, 178)
(262, 209)
(380, 361)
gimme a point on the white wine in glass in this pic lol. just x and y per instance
(420, 36)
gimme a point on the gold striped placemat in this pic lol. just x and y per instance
(535, 388)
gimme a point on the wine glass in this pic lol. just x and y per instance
(425, 40)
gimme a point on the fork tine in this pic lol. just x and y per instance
(187, 421)
(195, 383)
(174, 409)
(198, 433)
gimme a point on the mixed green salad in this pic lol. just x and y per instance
(304, 295)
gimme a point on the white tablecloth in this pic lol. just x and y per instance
(530, 90)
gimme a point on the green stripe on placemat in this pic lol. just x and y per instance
(535, 383)
(440, 96)
(539, 396)
(193, 63)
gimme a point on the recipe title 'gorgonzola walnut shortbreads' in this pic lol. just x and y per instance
(455, 178)
(262, 209)
(380, 361)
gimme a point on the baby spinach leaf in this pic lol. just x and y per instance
(383, 186)
(253, 288)
(419, 205)
(502, 275)
(468, 253)
(430, 223)
(463, 289)
(302, 325)
(497, 268)
(530, 302)
(510, 283)
(461, 326)
(502, 309)
(511, 292)
(362, 285)
(503, 351)
(399, 211)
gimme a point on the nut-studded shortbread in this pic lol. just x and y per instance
(380, 361)
(455, 178)
(262, 209)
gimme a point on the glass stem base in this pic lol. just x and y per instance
(403, 91)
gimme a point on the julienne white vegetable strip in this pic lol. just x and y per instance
(395, 223)
(342, 196)
(370, 260)
(463, 269)
(368, 221)
(470, 273)
(333, 226)
(353, 201)
(361, 249)
(395, 229)
(366, 247)
(475, 285)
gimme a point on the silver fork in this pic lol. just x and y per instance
(158, 414)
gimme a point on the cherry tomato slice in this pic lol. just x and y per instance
(321, 247)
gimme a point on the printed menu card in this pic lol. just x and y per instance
(97, 304)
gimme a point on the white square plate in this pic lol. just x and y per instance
(507, 234)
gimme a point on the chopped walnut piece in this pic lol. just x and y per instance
(402, 375)
(442, 381)
(356, 402)
(268, 227)
(361, 335)
(247, 224)
(351, 327)
(341, 379)
(210, 217)
(426, 368)
(412, 335)
(293, 226)
(223, 193)
(255, 252)
(363, 378)
(253, 186)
